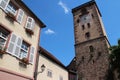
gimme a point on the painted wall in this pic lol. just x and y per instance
(57, 70)
(7, 76)
(8, 61)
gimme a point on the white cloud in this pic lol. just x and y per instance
(49, 31)
(63, 5)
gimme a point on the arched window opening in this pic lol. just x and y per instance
(91, 48)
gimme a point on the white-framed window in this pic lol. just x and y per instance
(32, 52)
(20, 15)
(24, 50)
(14, 45)
(60, 77)
(19, 48)
(11, 8)
(30, 23)
(4, 3)
(49, 73)
(3, 37)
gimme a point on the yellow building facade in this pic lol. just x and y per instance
(19, 40)
(54, 69)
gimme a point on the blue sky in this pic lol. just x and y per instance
(58, 36)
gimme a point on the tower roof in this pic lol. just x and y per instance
(92, 2)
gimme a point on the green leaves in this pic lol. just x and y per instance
(114, 58)
(119, 42)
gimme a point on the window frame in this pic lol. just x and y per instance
(87, 35)
(6, 3)
(11, 8)
(49, 73)
(88, 25)
(20, 16)
(8, 32)
(28, 55)
(61, 78)
(91, 48)
(22, 49)
(32, 23)
(83, 27)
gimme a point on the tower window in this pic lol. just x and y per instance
(99, 54)
(87, 35)
(92, 15)
(83, 27)
(88, 24)
(101, 33)
(91, 48)
(83, 58)
(90, 57)
(78, 20)
(84, 11)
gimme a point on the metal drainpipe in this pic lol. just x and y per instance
(36, 66)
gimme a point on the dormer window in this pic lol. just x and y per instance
(30, 25)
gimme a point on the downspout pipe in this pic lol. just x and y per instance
(36, 66)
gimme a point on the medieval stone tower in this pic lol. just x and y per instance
(91, 44)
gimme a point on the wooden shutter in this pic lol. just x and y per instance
(20, 15)
(18, 47)
(31, 58)
(30, 23)
(11, 45)
(4, 3)
(14, 45)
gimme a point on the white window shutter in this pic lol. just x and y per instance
(14, 45)
(30, 23)
(18, 47)
(20, 15)
(11, 45)
(31, 58)
(4, 3)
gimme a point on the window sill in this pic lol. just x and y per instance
(22, 64)
(29, 31)
(2, 50)
(11, 15)
(25, 60)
